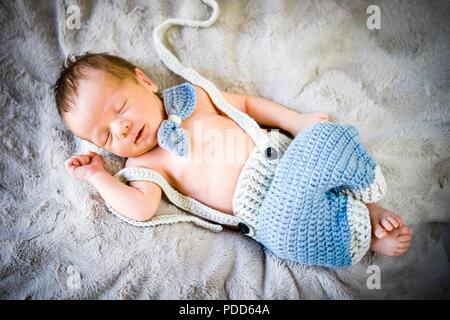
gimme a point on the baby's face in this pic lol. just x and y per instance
(120, 116)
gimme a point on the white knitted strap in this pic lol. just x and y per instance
(184, 202)
(242, 119)
(168, 219)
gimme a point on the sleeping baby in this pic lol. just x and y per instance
(309, 196)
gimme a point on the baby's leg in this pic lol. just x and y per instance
(395, 237)
(383, 221)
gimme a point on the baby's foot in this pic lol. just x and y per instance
(383, 221)
(395, 243)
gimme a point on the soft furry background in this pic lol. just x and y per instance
(58, 241)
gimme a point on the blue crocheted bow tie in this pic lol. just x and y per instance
(179, 102)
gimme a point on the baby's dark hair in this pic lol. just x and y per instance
(66, 86)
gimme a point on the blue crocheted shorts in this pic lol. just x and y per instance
(307, 216)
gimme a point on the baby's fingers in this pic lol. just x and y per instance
(84, 159)
(78, 161)
(327, 117)
(71, 165)
(71, 162)
(93, 155)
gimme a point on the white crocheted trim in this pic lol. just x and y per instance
(374, 192)
(171, 61)
(247, 123)
(167, 219)
(184, 202)
(360, 229)
(254, 180)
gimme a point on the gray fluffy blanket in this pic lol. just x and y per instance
(57, 240)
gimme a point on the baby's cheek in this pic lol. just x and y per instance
(117, 150)
(152, 137)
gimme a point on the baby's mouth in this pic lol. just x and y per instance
(138, 137)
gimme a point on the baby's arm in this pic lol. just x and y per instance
(272, 114)
(136, 204)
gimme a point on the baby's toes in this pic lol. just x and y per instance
(401, 251)
(404, 230)
(397, 253)
(404, 241)
(394, 221)
(399, 220)
(379, 231)
(387, 223)
(403, 245)
(404, 238)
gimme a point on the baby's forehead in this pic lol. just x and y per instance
(91, 77)
(94, 89)
(81, 122)
(94, 94)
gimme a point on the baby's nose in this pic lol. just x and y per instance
(124, 129)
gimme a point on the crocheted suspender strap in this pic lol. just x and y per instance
(168, 219)
(242, 119)
(184, 202)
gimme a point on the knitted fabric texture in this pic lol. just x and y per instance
(305, 215)
(309, 205)
(255, 179)
(179, 102)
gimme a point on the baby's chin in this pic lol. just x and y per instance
(135, 153)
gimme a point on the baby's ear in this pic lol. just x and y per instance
(144, 79)
(139, 73)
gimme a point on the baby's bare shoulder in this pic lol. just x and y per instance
(204, 101)
(148, 188)
(132, 162)
(155, 159)
(146, 160)
(201, 94)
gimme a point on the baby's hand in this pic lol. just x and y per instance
(84, 166)
(304, 121)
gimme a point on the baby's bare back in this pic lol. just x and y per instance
(219, 149)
